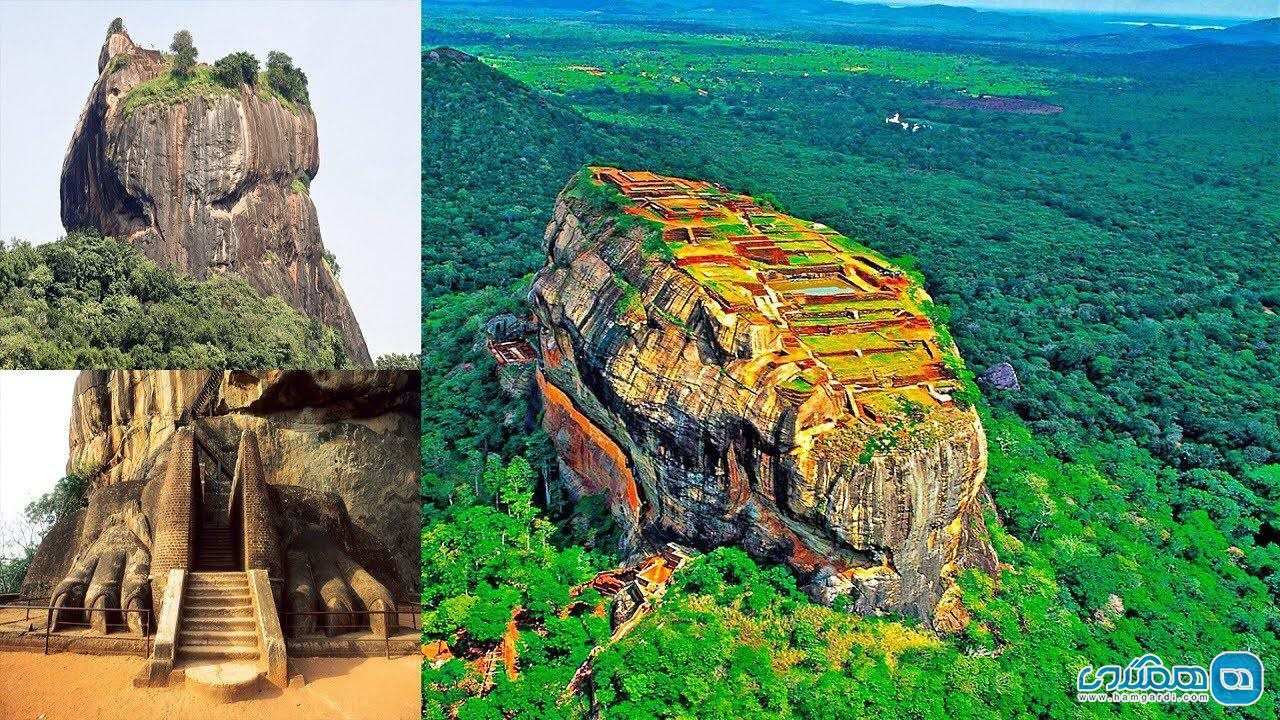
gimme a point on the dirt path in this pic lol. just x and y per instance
(69, 686)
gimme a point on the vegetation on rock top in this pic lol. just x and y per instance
(184, 80)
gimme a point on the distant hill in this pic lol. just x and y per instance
(495, 154)
(869, 21)
(1149, 37)
(1260, 31)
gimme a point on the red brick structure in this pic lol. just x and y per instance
(261, 541)
(175, 513)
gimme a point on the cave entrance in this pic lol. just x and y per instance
(218, 523)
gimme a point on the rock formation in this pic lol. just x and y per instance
(209, 184)
(1000, 376)
(318, 470)
(728, 374)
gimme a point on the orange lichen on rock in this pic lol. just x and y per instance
(598, 464)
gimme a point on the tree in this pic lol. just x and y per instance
(285, 79)
(69, 494)
(92, 302)
(236, 69)
(332, 261)
(184, 54)
(398, 361)
(117, 25)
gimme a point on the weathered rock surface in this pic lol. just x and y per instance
(207, 185)
(675, 409)
(339, 450)
(1001, 376)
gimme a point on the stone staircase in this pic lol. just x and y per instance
(216, 552)
(218, 633)
(217, 622)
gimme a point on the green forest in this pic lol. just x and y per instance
(91, 302)
(1121, 254)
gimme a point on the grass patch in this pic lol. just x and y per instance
(655, 245)
(797, 384)
(118, 62)
(629, 303)
(166, 89)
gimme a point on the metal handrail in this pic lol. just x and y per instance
(48, 624)
(413, 611)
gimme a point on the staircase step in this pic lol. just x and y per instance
(243, 638)
(218, 587)
(218, 652)
(241, 581)
(216, 610)
(214, 597)
(232, 581)
(234, 623)
(239, 597)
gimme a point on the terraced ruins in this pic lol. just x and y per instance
(725, 373)
(841, 312)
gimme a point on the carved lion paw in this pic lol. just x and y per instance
(108, 578)
(325, 581)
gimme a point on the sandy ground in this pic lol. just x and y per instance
(70, 686)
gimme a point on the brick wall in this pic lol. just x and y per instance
(261, 542)
(174, 514)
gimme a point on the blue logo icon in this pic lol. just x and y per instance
(1235, 678)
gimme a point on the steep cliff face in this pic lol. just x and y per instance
(351, 436)
(212, 183)
(730, 375)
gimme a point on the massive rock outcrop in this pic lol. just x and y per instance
(337, 450)
(212, 183)
(727, 374)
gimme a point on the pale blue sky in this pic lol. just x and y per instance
(1214, 8)
(362, 61)
(35, 422)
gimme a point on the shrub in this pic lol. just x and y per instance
(332, 261)
(236, 69)
(184, 53)
(655, 245)
(117, 25)
(286, 80)
(398, 361)
(118, 62)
